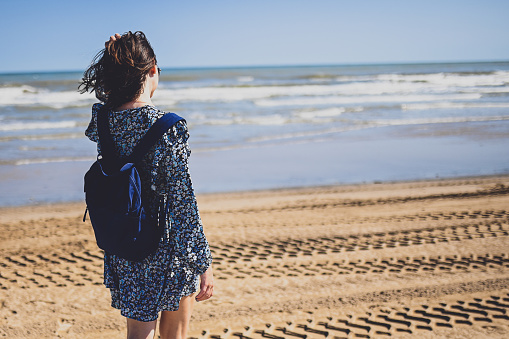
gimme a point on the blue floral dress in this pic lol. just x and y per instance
(140, 290)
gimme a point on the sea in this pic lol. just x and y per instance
(258, 128)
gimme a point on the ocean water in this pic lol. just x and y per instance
(271, 127)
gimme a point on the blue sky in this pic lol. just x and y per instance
(49, 35)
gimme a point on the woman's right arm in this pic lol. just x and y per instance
(188, 237)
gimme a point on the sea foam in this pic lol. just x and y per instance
(349, 100)
(41, 97)
(20, 126)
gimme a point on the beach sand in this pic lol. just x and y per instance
(427, 259)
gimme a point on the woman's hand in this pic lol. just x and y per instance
(206, 285)
(112, 38)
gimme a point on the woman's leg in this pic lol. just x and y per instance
(140, 329)
(174, 325)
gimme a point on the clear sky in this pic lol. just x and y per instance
(49, 35)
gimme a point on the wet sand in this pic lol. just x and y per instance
(426, 259)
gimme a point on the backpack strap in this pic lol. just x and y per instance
(155, 132)
(105, 139)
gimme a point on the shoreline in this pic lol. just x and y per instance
(70, 208)
(384, 154)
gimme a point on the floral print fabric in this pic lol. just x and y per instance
(140, 290)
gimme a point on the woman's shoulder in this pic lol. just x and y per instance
(178, 132)
(95, 109)
(91, 131)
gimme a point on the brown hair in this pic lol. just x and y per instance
(117, 72)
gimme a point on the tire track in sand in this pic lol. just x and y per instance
(279, 249)
(381, 321)
(272, 259)
(450, 263)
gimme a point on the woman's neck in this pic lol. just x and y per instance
(134, 104)
(142, 100)
(145, 98)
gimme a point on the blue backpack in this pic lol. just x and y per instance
(122, 225)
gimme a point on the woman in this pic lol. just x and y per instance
(124, 77)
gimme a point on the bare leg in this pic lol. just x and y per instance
(174, 325)
(140, 329)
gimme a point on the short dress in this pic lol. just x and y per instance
(140, 290)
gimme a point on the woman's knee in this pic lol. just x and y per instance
(174, 324)
(140, 330)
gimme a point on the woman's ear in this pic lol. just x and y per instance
(153, 70)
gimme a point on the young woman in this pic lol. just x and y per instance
(124, 77)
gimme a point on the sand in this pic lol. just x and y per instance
(423, 259)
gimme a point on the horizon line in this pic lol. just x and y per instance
(391, 63)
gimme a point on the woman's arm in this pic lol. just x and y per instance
(187, 236)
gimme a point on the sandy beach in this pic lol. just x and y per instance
(427, 259)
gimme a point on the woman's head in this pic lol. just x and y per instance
(118, 72)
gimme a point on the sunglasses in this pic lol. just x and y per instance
(158, 71)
